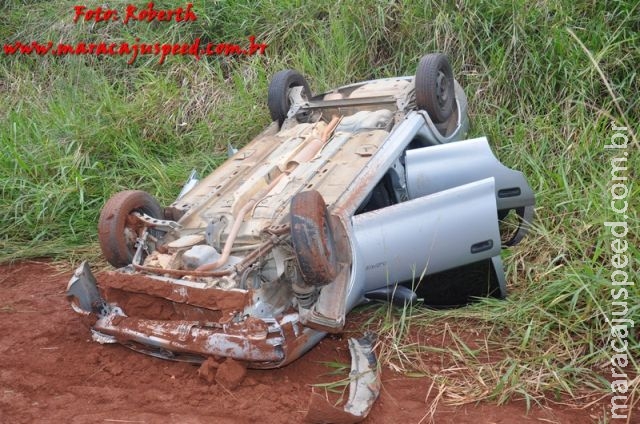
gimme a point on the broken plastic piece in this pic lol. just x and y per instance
(364, 388)
(84, 293)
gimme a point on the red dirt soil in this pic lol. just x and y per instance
(51, 371)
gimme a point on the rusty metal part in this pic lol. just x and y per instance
(145, 306)
(312, 238)
(278, 230)
(313, 145)
(182, 272)
(264, 343)
(118, 228)
(226, 252)
(253, 256)
(243, 341)
(210, 298)
(149, 221)
(228, 245)
(335, 120)
(247, 261)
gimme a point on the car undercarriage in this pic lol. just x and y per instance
(367, 192)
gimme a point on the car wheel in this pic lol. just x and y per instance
(435, 87)
(278, 96)
(117, 231)
(312, 238)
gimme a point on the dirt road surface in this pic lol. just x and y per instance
(51, 372)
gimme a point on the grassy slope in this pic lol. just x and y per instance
(77, 129)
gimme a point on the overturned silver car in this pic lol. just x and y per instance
(369, 191)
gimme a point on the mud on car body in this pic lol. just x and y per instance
(369, 191)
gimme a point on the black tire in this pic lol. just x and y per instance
(278, 96)
(434, 86)
(312, 238)
(117, 235)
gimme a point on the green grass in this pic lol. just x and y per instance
(544, 81)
